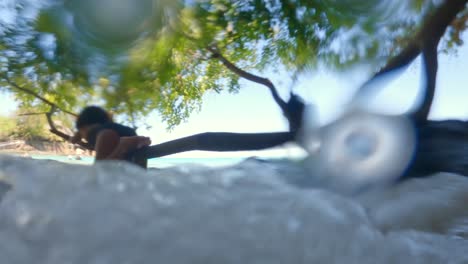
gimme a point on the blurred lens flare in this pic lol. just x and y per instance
(364, 148)
(111, 23)
(116, 20)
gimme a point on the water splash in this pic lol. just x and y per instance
(361, 148)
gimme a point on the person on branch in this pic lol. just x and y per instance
(110, 141)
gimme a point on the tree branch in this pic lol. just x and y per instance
(430, 67)
(213, 141)
(36, 95)
(293, 110)
(53, 129)
(426, 40)
(432, 31)
(31, 114)
(249, 76)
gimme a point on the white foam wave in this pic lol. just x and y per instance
(253, 212)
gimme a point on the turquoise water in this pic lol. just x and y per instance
(152, 163)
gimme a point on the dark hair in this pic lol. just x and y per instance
(92, 115)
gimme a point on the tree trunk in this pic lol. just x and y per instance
(442, 147)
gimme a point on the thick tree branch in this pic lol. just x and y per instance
(213, 141)
(426, 40)
(430, 67)
(436, 24)
(442, 146)
(431, 33)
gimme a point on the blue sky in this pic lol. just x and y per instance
(253, 110)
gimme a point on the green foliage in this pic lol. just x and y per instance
(24, 127)
(25, 124)
(8, 126)
(30, 128)
(169, 67)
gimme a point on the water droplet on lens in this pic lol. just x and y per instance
(360, 144)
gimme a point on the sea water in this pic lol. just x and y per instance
(163, 162)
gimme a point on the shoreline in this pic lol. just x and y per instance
(21, 147)
(158, 163)
(27, 153)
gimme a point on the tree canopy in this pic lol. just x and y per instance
(135, 57)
